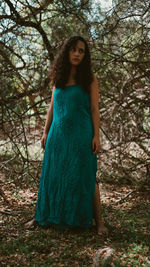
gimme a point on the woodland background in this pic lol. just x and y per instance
(31, 34)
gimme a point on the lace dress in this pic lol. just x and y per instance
(68, 176)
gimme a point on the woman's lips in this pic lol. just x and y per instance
(76, 59)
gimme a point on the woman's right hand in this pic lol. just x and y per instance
(43, 140)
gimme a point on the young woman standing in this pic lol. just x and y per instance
(68, 194)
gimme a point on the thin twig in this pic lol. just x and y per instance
(124, 197)
(6, 212)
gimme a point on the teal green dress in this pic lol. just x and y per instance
(68, 176)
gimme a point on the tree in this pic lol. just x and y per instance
(33, 32)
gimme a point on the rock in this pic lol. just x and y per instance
(103, 257)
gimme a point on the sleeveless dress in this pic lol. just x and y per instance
(68, 175)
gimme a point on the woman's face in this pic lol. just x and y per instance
(76, 53)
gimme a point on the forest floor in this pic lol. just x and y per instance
(128, 222)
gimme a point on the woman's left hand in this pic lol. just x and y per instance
(95, 144)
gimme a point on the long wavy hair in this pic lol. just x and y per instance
(60, 69)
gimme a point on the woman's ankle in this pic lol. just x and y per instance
(100, 223)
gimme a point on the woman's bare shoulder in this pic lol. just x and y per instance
(94, 78)
(53, 89)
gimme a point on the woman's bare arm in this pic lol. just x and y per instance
(94, 97)
(49, 116)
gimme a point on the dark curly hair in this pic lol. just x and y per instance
(60, 69)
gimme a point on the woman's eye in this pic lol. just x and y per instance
(81, 51)
(73, 49)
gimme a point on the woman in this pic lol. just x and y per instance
(68, 194)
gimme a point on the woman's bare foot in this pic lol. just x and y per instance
(30, 224)
(101, 229)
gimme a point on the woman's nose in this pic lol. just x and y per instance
(76, 53)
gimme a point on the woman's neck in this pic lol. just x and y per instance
(71, 79)
(72, 72)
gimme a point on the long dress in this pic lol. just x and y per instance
(68, 175)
